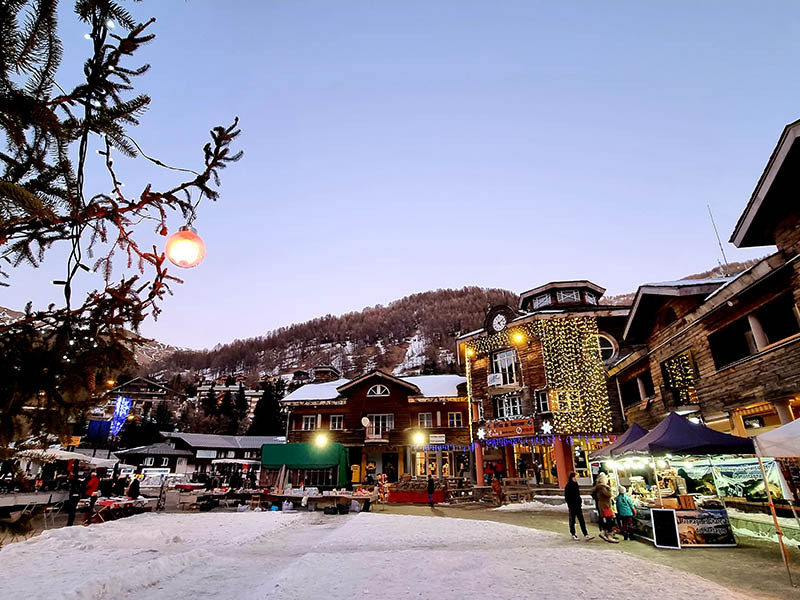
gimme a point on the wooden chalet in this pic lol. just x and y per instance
(726, 351)
(538, 385)
(145, 395)
(392, 425)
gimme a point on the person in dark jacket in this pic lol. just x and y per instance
(572, 495)
(120, 485)
(133, 490)
(75, 487)
(106, 487)
(431, 488)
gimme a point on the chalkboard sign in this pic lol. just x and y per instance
(665, 528)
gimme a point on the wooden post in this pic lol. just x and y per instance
(784, 550)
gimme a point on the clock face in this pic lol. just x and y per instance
(499, 322)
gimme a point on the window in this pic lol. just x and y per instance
(337, 421)
(378, 390)
(309, 422)
(164, 461)
(507, 406)
(669, 316)
(679, 375)
(731, 343)
(425, 419)
(568, 296)
(591, 298)
(607, 347)
(630, 392)
(542, 300)
(149, 461)
(454, 419)
(778, 318)
(542, 402)
(567, 401)
(230, 454)
(504, 364)
(380, 425)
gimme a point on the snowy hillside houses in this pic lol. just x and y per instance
(392, 425)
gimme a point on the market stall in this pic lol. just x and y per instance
(673, 508)
(308, 465)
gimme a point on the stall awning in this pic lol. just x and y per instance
(783, 441)
(678, 435)
(302, 456)
(633, 433)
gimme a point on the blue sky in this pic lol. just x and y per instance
(396, 147)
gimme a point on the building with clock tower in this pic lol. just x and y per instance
(538, 389)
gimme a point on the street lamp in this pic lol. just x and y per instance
(321, 440)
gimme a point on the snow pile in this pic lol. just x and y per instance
(534, 506)
(254, 556)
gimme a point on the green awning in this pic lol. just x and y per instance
(306, 456)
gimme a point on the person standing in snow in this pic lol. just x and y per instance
(602, 494)
(75, 487)
(497, 488)
(431, 488)
(537, 471)
(625, 511)
(572, 495)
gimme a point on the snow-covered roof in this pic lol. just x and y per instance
(437, 386)
(208, 440)
(316, 391)
(430, 386)
(688, 282)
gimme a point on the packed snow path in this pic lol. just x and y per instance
(311, 555)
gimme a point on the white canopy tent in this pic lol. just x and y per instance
(782, 442)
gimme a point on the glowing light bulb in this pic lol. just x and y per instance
(419, 439)
(185, 248)
(518, 337)
(321, 440)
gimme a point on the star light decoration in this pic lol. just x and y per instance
(481, 433)
(547, 428)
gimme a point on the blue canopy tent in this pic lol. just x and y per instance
(633, 433)
(678, 435)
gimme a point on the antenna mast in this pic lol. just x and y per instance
(721, 249)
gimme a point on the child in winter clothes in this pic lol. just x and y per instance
(625, 511)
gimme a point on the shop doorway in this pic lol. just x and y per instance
(390, 464)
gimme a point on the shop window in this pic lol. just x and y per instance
(425, 419)
(454, 419)
(507, 406)
(778, 318)
(337, 422)
(164, 461)
(309, 422)
(542, 300)
(565, 296)
(504, 364)
(378, 390)
(753, 422)
(731, 343)
(679, 374)
(149, 461)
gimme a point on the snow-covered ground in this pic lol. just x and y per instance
(310, 555)
(533, 506)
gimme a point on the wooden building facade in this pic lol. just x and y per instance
(392, 425)
(726, 351)
(538, 386)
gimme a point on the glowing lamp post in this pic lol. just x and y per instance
(185, 248)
